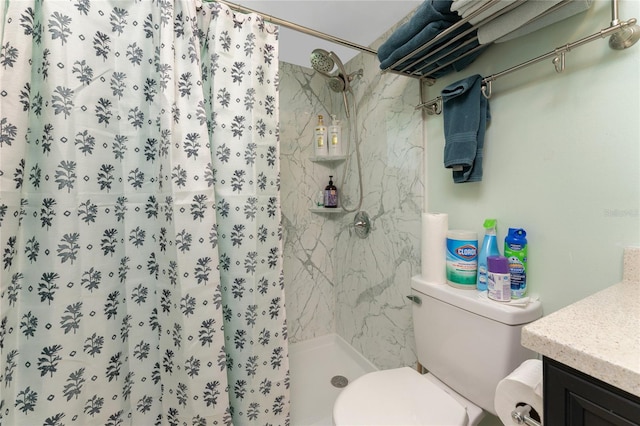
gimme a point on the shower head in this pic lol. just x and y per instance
(337, 83)
(324, 62)
(321, 61)
(626, 37)
(340, 82)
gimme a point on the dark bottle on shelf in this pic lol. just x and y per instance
(330, 195)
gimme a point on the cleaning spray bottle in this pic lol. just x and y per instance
(489, 248)
(515, 249)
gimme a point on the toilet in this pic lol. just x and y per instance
(466, 343)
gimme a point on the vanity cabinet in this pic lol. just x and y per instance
(572, 398)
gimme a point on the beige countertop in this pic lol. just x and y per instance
(599, 335)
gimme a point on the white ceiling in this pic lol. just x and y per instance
(358, 21)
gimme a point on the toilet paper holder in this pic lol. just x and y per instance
(521, 415)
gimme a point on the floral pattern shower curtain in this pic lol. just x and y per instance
(139, 216)
(240, 75)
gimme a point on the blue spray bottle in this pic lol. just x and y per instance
(489, 248)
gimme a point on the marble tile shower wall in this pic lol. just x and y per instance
(335, 281)
(309, 245)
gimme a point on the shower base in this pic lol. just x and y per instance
(314, 364)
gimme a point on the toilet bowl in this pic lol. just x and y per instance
(467, 343)
(402, 396)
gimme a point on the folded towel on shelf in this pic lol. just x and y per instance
(514, 19)
(431, 18)
(424, 36)
(466, 113)
(490, 11)
(459, 58)
(459, 6)
(431, 13)
(570, 9)
(451, 58)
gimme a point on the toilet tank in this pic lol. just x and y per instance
(468, 342)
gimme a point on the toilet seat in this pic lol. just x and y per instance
(400, 396)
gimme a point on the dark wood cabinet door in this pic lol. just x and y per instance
(572, 398)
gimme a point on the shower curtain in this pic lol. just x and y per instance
(141, 278)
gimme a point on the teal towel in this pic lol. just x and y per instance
(431, 18)
(431, 13)
(466, 114)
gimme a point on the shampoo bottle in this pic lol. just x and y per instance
(515, 249)
(320, 138)
(335, 137)
(330, 195)
(489, 248)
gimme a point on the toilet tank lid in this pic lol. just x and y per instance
(472, 301)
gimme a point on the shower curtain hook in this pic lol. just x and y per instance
(558, 62)
(486, 89)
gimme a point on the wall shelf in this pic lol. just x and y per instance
(324, 210)
(420, 61)
(447, 43)
(328, 158)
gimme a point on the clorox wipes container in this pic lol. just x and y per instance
(462, 259)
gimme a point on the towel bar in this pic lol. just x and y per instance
(431, 57)
(434, 106)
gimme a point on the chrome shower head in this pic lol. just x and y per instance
(626, 37)
(324, 62)
(340, 82)
(337, 83)
(321, 61)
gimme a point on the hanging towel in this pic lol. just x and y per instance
(466, 113)
(572, 8)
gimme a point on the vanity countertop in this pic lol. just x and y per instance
(598, 335)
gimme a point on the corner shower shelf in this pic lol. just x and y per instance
(328, 158)
(324, 210)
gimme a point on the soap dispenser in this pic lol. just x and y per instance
(335, 137)
(330, 195)
(320, 138)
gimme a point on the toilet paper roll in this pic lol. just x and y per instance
(522, 386)
(434, 247)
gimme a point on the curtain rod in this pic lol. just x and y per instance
(299, 28)
(434, 106)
